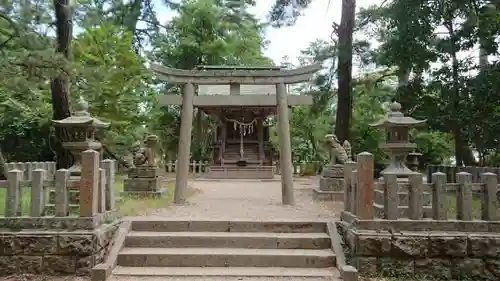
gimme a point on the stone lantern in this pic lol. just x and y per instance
(81, 130)
(412, 161)
(398, 145)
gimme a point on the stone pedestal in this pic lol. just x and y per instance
(331, 183)
(143, 181)
(55, 246)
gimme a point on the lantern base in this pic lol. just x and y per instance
(402, 172)
(75, 170)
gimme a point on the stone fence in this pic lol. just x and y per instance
(195, 167)
(418, 228)
(451, 172)
(199, 167)
(28, 167)
(34, 241)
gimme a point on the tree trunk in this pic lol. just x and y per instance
(403, 81)
(3, 167)
(455, 98)
(344, 98)
(60, 85)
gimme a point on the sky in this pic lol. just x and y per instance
(315, 23)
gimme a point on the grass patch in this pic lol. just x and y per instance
(143, 206)
(25, 201)
(140, 206)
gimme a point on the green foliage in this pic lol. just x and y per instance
(27, 61)
(308, 131)
(201, 34)
(115, 82)
(436, 147)
(110, 72)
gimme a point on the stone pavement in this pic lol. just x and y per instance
(254, 200)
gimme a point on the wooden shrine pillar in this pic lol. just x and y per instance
(182, 167)
(286, 166)
(260, 137)
(220, 138)
(223, 139)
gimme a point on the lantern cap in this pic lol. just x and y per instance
(81, 116)
(395, 118)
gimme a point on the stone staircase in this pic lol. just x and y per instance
(226, 248)
(232, 153)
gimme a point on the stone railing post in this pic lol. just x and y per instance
(45, 167)
(391, 196)
(439, 196)
(415, 196)
(477, 172)
(61, 188)
(354, 193)
(109, 167)
(431, 169)
(349, 167)
(13, 198)
(29, 169)
(489, 202)
(89, 183)
(52, 170)
(101, 202)
(364, 186)
(38, 193)
(464, 196)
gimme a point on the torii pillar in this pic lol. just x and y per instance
(286, 166)
(182, 167)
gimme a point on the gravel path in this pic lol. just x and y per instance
(250, 200)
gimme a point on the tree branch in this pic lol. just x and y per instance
(14, 27)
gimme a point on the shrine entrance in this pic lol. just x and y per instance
(241, 140)
(242, 98)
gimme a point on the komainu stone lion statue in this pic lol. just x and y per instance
(339, 154)
(139, 154)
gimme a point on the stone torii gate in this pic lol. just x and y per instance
(235, 76)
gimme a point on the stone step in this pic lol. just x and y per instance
(238, 152)
(248, 240)
(225, 257)
(227, 272)
(175, 225)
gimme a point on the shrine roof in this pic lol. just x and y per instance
(250, 75)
